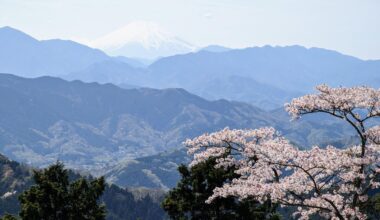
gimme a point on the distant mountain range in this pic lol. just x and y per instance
(264, 76)
(104, 128)
(46, 119)
(27, 56)
(124, 128)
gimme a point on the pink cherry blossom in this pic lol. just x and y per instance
(328, 182)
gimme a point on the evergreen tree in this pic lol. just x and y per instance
(187, 200)
(372, 206)
(8, 217)
(53, 197)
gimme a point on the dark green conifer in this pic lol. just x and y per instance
(53, 197)
(187, 200)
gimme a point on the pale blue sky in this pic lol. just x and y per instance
(349, 26)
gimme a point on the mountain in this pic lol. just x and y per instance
(109, 71)
(263, 76)
(93, 127)
(26, 56)
(156, 171)
(88, 125)
(142, 40)
(291, 70)
(120, 203)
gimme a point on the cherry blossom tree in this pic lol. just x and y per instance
(328, 182)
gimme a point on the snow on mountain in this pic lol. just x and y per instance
(143, 40)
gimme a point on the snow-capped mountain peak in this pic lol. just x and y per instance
(142, 39)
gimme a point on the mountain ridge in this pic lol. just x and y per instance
(26, 56)
(75, 119)
(265, 76)
(92, 126)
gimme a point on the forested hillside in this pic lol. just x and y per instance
(120, 203)
(97, 127)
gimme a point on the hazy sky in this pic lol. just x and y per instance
(351, 27)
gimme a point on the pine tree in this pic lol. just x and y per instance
(187, 200)
(53, 197)
(8, 217)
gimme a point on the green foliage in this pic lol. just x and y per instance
(121, 205)
(372, 206)
(14, 177)
(55, 198)
(187, 200)
(8, 217)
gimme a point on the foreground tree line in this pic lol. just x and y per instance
(59, 193)
(54, 197)
(252, 173)
(329, 183)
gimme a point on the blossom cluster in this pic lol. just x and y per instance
(373, 134)
(329, 182)
(337, 100)
(271, 167)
